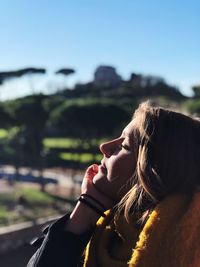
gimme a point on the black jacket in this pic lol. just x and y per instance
(59, 248)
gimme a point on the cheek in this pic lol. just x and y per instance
(129, 168)
(123, 168)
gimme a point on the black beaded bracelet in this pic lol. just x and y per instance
(87, 203)
(95, 200)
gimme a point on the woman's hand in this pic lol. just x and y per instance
(83, 217)
(89, 188)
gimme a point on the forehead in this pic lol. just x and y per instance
(130, 130)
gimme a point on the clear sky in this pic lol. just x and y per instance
(150, 37)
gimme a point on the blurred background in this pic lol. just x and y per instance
(71, 75)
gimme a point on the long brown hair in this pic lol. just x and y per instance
(168, 159)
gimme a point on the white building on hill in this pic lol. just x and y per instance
(106, 76)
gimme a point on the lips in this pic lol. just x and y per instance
(102, 167)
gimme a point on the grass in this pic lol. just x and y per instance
(70, 143)
(61, 143)
(32, 196)
(8, 217)
(3, 212)
(37, 204)
(83, 157)
(3, 133)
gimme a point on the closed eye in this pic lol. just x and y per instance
(125, 147)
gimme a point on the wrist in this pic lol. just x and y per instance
(82, 219)
(101, 200)
(92, 203)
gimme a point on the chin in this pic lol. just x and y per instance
(109, 179)
(98, 177)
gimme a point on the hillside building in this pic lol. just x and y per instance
(106, 76)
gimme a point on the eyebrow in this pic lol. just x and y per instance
(131, 137)
(125, 134)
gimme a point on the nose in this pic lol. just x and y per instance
(108, 148)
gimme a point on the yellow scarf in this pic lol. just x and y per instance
(170, 237)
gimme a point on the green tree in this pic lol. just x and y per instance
(88, 121)
(5, 119)
(30, 114)
(196, 91)
(65, 71)
(193, 106)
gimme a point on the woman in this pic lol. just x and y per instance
(149, 178)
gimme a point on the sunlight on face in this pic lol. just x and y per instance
(119, 161)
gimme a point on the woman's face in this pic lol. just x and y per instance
(119, 160)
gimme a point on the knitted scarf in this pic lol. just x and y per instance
(169, 238)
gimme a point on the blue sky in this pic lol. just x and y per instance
(150, 37)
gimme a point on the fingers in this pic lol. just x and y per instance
(95, 168)
(91, 171)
